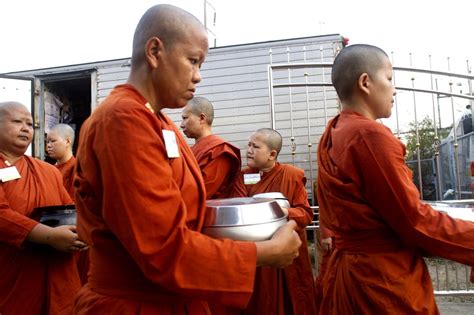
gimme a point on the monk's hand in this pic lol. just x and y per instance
(285, 210)
(282, 249)
(64, 238)
(326, 244)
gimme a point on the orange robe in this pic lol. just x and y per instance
(323, 262)
(82, 257)
(142, 213)
(287, 290)
(67, 171)
(220, 164)
(34, 279)
(368, 200)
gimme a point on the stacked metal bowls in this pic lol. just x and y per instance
(243, 219)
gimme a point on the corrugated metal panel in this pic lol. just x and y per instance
(235, 79)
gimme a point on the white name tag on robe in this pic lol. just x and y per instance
(250, 179)
(171, 144)
(9, 173)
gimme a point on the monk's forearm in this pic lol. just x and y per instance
(40, 234)
(281, 249)
(265, 254)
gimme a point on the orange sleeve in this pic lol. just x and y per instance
(300, 210)
(387, 184)
(324, 231)
(14, 226)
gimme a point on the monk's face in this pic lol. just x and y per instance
(178, 69)
(259, 155)
(190, 124)
(56, 146)
(16, 130)
(381, 99)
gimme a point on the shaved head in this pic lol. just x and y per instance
(201, 105)
(272, 138)
(7, 107)
(169, 23)
(353, 61)
(64, 131)
(16, 129)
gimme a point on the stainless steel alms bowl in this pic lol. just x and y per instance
(278, 196)
(243, 219)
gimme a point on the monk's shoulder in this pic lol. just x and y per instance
(366, 130)
(377, 133)
(224, 148)
(293, 171)
(44, 168)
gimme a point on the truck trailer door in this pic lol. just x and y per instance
(18, 89)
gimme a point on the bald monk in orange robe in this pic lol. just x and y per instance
(219, 161)
(59, 142)
(33, 279)
(140, 195)
(368, 200)
(289, 290)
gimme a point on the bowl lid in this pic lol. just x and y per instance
(242, 211)
(273, 195)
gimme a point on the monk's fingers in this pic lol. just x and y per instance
(80, 244)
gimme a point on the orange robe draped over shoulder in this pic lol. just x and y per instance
(287, 290)
(368, 200)
(142, 213)
(220, 164)
(33, 279)
(67, 171)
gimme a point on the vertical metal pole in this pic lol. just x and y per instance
(469, 83)
(437, 101)
(309, 127)
(417, 134)
(270, 92)
(437, 274)
(437, 142)
(396, 102)
(324, 88)
(205, 15)
(456, 145)
(292, 139)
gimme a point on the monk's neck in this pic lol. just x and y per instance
(267, 168)
(64, 159)
(9, 158)
(203, 135)
(360, 109)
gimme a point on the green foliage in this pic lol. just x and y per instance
(426, 138)
(427, 143)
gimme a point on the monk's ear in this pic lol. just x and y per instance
(202, 118)
(273, 155)
(363, 83)
(153, 51)
(68, 142)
